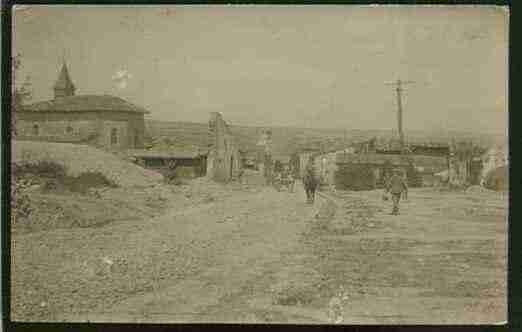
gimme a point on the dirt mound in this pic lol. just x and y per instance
(477, 189)
(82, 159)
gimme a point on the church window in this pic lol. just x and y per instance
(114, 136)
(36, 130)
(69, 130)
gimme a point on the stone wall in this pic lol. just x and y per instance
(86, 127)
(63, 130)
(224, 161)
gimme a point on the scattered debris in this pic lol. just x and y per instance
(336, 306)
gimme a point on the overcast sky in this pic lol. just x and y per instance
(307, 66)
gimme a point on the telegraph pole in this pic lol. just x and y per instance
(399, 113)
(399, 89)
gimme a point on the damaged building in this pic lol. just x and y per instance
(224, 158)
(366, 171)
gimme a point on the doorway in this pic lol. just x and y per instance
(231, 165)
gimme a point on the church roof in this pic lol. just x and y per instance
(106, 103)
(64, 79)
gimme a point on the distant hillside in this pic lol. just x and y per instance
(289, 139)
(181, 133)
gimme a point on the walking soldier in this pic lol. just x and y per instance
(396, 186)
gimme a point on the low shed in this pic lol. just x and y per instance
(193, 163)
(368, 170)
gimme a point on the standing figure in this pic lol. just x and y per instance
(240, 174)
(277, 181)
(268, 169)
(291, 179)
(405, 192)
(396, 186)
(310, 181)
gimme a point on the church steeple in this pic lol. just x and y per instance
(64, 86)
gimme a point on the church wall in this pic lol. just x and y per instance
(60, 126)
(87, 127)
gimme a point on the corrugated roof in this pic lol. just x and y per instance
(85, 103)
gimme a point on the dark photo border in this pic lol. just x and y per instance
(515, 140)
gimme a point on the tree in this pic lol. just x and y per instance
(20, 93)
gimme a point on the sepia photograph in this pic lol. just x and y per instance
(259, 164)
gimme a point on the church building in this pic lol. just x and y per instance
(104, 121)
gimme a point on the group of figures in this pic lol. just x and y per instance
(287, 177)
(284, 179)
(395, 186)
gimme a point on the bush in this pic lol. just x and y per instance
(21, 207)
(42, 169)
(52, 177)
(355, 177)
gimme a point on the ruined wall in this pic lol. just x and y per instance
(326, 165)
(224, 160)
(493, 158)
(93, 128)
(303, 161)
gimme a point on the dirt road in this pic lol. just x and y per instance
(252, 254)
(443, 260)
(248, 240)
(245, 240)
